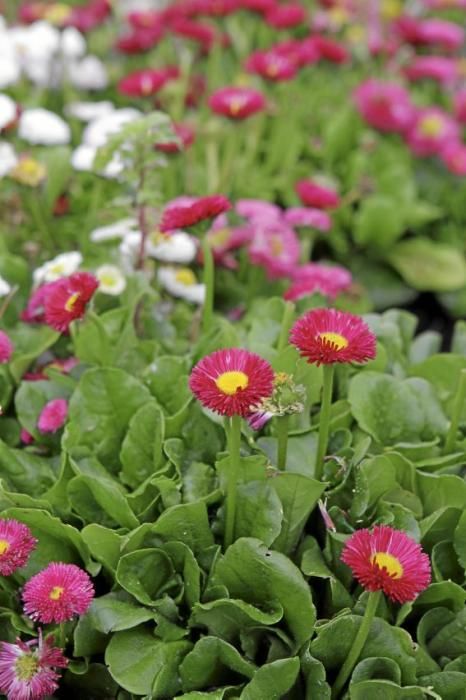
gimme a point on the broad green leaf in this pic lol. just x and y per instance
(272, 680)
(429, 266)
(186, 523)
(141, 451)
(145, 574)
(259, 512)
(211, 662)
(298, 495)
(228, 617)
(114, 613)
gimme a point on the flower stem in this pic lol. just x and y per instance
(460, 397)
(209, 282)
(287, 320)
(234, 443)
(322, 444)
(62, 636)
(358, 644)
(281, 427)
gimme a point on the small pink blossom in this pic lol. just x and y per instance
(318, 278)
(454, 157)
(431, 132)
(307, 217)
(58, 593)
(6, 348)
(383, 105)
(25, 437)
(439, 68)
(16, 545)
(53, 416)
(275, 248)
(258, 210)
(459, 106)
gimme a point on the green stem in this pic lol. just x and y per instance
(358, 644)
(234, 444)
(322, 444)
(229, 156)
(458, 405)
(62, 636)
(287, 320)
(307, 244)
(212, 169)
(209, 282)
(37, 215)
(281, 428)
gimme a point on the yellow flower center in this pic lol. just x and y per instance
(356, 33)
(69, 306)
(431, 125)
(236, 104)
(388, 562)
(107, 280)
(336, 339)
(231, 382)
(57, 13)
(276, 246)
(280, 378)
(29, 172)
(391, 9)
(4, 546)
(157, 237)
(186, 277)
(26, 667)
(56, 593)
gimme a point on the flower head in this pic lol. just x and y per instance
(315, 278)
(6, 347)
(179, 216)
(325, 336)
(58, 593)
(231, 382)
(432, 130)
(385, 106)
(146, 82)
(181, 282)
(28, 171)
(53, 416)
(16, 545)
(28, 669)
(271, 65)
(388, 560)
(276, 248)
(67, 299)
(111, 280)
(186, 136)
(237, 102)
(315, 194)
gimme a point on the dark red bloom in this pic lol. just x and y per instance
(67, 299)
(237, 102)
(202, 209)
(146, 82)
(313, 194)
(271, 65)
(139, 40)
(203, 34)
(330, 49)
(145, 19)
(259, 6)
(286, 16)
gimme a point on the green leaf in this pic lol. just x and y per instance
(379, 222)
(450, 685)
(188, 523)
(441, 491)
(211, 662)
(100, 411)
(459, 540)
(262, 577)
(167, 379)
(385, 690)
(228, 617)
(30, 342)
(114, 613)
(259, 512)
(272, 681)
(144, 665)
(298, 495)
(141, 451)
(429, 266)
(25, 472)
(443, 372)
(104, 545)
(145, 573)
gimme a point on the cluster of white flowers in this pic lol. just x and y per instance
(47, 55)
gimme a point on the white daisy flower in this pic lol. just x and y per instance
(72, 43)
(88, 74)
(7, 111)
(97, 132)
(61, 266)
(118, 230)
(8, 158)
(89, 111)
(182, 282)
(5, 287)
(41, 127)
(111, 280)
(178, 247)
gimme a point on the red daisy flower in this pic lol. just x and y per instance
(286, 16)
(314, 194)
(28, 669)
(6, 347)
(231, 382)
(388, 560)
(53, 416)
(58, 593)
(146, 82)
(237, 102)
(271, 65)
(67, 299)
(16, 545)
(325, 336)
(202, 209)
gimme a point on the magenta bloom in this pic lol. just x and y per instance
(271, 65)
(237, 102)
(307, 217)
(53, 416)
(276, 248)
(432, 130)
(326, 336)
(224, 239)
(25, 437)
(388, 560)
(454, 157)
(286, 16)
(258, 211)
(180, 216)
(6, 348)
(459, 105)
(28, 669)
(67, 298)
(440, 68)
(232, 382)
(314, 194)
(58, 593)
(437, 32)
(146, 82)
(385, 106)
(139, 40)
(314, 277)
(16, 545)
(329, 49)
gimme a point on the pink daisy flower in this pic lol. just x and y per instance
(187, 214)
(315, 277)
(58, 593)
(433, 129)
(286, 16)
(231, 382)
(313, 193)
(388, 560)
(459, 105)
(67, 299)
(53, 416)
(326, 336)
(385, 106)
(28, 669)
(25, 437)
(16, 545)
(276, 248)
(454, 157)
(308, 218)
(271, 65)
(439, 68)
(237, 102)
(146, 82)
(258, 211)
(6, 348)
